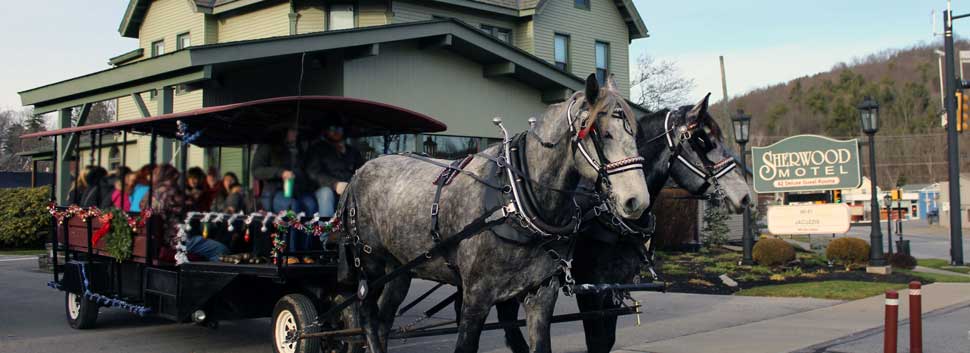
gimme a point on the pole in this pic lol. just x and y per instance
(915, 318)
(889, 227)
(876, 257)
(724, 89)
(892, 315)
(747, 237)
(899, 220)
(953, 158)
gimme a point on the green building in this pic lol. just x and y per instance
(460, 61)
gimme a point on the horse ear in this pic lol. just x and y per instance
(699, 111)
(592, 89)
(611, 83)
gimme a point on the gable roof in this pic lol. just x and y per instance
(135, 13)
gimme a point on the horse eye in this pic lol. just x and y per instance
(608, 135)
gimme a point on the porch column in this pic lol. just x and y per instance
(165, 100)
(62, 180)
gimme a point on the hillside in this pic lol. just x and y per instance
(911, 143)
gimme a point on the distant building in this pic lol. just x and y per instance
(964, 201)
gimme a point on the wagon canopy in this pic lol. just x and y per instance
(254, 122)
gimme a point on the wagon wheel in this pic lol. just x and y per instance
(82, 313)
(349, 318)
(294, 312)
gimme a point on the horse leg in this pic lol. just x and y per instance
(393, 295)
(474, 311)
(508, 312)
(600, 332)
(371, 321)
(539, 307)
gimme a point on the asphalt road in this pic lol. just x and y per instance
(925, 241)
(944, 331)
(32, 320)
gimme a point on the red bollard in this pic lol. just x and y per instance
(915, 318)
(892, 315)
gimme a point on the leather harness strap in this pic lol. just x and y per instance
(445, 178)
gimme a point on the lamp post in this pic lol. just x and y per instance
(889, 222)
(869, 117)
(742, 124)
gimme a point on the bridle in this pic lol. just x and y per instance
(520, 187)
(710, 172)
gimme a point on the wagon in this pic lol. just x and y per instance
(206, 292)
(310, 308)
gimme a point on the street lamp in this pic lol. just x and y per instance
(742, 126)
(869, 117)
(889, 222)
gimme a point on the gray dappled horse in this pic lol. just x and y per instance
(684, 144)
(390, 197)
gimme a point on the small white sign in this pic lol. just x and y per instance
(809, 219)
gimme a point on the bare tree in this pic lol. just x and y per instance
(659, 83)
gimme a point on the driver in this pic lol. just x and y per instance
(331, 165)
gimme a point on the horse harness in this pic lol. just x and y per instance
(520, 208)
(701, 143)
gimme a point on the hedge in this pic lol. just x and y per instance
(24, 220)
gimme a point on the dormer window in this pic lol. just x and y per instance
(340, 16)
(158, 48)
(561, 51)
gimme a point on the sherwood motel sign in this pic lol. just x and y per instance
(807, 163)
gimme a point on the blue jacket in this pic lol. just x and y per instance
(136, 196)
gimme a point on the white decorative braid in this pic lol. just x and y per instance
(624, 165)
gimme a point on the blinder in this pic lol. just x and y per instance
(701, 142)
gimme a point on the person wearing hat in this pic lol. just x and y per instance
(331, 165)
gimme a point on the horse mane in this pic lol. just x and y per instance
(607, 102)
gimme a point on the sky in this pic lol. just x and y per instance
(763, 42)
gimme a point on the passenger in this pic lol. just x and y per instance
(197, 190)
(332, 164)
(78, 186)
(275, 165)
(233, 201)
(97, 192)
(216, 189)
(137, 187)
(119, 177)
(169, 204)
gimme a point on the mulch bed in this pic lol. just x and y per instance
(694, 273)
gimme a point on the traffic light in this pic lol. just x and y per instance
(837, 196)
(963, 111)
(896, 194)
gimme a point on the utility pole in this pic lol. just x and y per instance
(953, 159)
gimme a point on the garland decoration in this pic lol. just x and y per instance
(118, 242)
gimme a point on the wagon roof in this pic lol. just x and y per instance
(248, 122)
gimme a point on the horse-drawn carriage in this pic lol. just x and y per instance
(408, 215)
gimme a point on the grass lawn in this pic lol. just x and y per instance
(942, 264)
(842, 290)
(23, 252)
(933, 276)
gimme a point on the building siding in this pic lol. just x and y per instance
(311, 19)
(524, 36)
(405, 11)
(452, 89)
(271, 21)
(603, 22)
(165, 20)
(372, 13)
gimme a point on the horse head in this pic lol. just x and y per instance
(606, 147)
(697, 157)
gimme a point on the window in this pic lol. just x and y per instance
(158, 48)
(602, 61)
(373, 147)
(341, 16)
(449, 147)
(561, 49)
(582, 4)
(183, 41)
(503, 34)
